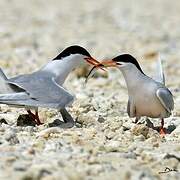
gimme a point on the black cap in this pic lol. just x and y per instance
(72, 50)
(127, 58)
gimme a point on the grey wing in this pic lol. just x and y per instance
(14, 96)
(41, 92)
(4, 87)
(131, 109)
(166, 98)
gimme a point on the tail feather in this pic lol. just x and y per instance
(4, 87)
(2, 75)
(160, 74)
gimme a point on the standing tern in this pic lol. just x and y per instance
(43, 88)
(147, 97)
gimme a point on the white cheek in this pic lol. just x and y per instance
(123, 65)
(119, 66)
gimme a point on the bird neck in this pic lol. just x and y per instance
(61, 68)
(133, 77)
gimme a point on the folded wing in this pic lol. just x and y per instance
(36, 92)
(166, 98)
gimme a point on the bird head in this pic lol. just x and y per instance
(122, 61)
(78, 55)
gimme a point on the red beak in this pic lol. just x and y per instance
(95, 63)
(109, 63)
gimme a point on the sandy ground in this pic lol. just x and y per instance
(105, 144)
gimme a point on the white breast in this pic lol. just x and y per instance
(146, 101)
(61, 68)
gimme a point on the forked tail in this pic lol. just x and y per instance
(160, 74)
(4, 87)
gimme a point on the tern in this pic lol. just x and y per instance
(147, 97)
(43, 88)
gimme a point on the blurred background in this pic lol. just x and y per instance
(32, 32)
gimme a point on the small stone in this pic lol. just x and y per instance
(11, 137)
(101, 120)
(46, 133)
(29, 129)
(2, 129)
(112, 146)
(140, 129)
(3, 121)
(127, 126)
(39, 144)
(139, 138)
(129, 155)
(20, 166)
(86, 120)
(176, 132)
(156, 144)
(110, 135)
(115, 125)
(8, 117)
(31, 151)
(11, 159)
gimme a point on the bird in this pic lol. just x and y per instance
(44, 87)
(147, 96)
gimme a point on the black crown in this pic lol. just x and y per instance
(72, 50)
(127, 58)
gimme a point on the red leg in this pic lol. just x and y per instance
(162, 130)
(32, 115)
(35, 117)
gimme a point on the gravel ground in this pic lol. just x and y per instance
(105, 144)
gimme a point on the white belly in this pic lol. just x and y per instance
(148, 104)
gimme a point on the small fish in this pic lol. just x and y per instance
(93, 70)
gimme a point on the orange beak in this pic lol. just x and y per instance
(95, 63)
(109, 63)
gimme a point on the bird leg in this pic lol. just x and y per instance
(136, 120)
(35, 117)
(162, 130)
(68, 120)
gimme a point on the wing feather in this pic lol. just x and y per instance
(42, 91)
(166, 98)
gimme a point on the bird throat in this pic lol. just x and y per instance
(61, 68)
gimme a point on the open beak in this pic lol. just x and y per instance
(99, 65)
(95, 63)
(109, 63)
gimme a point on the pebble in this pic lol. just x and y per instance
(140, 129)
(176, 132)
(3, 121)
(127, 126)
(86, 120)
(101, 119)
(11, 137)
(7, 118)
(45, 133)
(112, 146)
